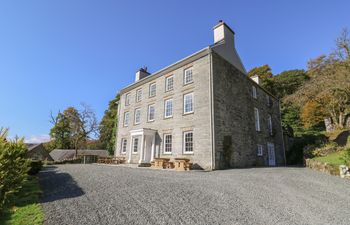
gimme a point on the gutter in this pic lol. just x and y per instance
(211, 97)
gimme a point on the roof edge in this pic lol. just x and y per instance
(163, 70)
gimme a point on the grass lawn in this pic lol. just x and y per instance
(25, 208)
(334, 158)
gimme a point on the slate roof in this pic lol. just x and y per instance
(62, 154)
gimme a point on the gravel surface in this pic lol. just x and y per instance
(96, 194)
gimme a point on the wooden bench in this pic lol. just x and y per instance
(118, 159)
(161, 163)
(106, 160)
(182, 164)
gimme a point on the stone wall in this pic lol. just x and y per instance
(234, 119)
(322, 167)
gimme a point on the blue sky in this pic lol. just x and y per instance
(55, 54)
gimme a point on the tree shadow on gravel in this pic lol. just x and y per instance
(56, 185)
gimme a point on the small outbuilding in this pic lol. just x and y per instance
(38, 152)
(88, 156)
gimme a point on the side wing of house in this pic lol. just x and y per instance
(247, 122)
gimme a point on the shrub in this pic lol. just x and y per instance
(13, 166)
(35, 167)
(346, 156)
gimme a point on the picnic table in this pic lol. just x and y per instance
(161, 163)
(182, 164)
(118, 159)
(107, 160)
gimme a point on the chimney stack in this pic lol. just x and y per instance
(223, 32)
(224, 45)
(141, 73)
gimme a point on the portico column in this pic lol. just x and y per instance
(142, 151)
(153, 147)
(131, 144)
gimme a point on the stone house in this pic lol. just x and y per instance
(204, 108)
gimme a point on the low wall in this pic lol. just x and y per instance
(322, 167)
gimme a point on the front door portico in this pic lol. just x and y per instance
(146, 149)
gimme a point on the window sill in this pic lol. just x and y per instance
(150, 121)
(167, 153)
(135, 153)
(188, 113)
(151, 96)
(170, 117)
(188, 83)
(188, 153)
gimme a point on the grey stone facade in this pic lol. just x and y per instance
(234, 119)
(222, 122)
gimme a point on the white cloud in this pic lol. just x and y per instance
(38, 138)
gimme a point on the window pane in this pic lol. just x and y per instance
(152, 90)
(137, 116)
(126, 119)
(257, 120)
(188, 76)
(124, 143)
(168, 108)
(138, 95)
(168, 143)
(188, 142)
(136, 143)
(188, 103)
(151, 113)
(127, 99)
(169, 83)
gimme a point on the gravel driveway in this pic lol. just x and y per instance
(95, 194)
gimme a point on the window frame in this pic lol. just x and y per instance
(138, 96)
(150, 95)
(128, 119)
(269, 124)
(165, 144)
(133, 145)
(184, 103)
(149, 113)
(185, 82)
(257, 120)
(127, 99)
(167, 83)
(124, 144)
(184, 142)
(165, 108)
(137, 110)
(254, 92)
(260, 150)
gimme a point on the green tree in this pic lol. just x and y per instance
(13, 166)
(264, 72)
(288, 82)
(60, 132)
(73, 128)
(108, 125)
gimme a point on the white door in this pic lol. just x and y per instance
(271, 154)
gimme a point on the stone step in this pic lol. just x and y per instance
(144, 165)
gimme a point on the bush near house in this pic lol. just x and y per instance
(13, 166)
(35, 167)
